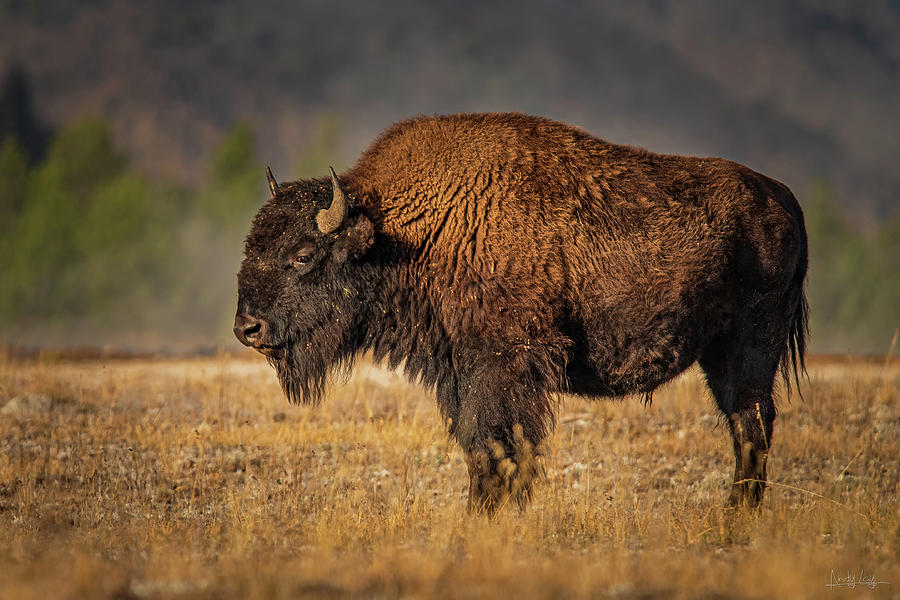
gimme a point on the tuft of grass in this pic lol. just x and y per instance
(195, 479)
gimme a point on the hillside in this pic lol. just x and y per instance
(799, 90)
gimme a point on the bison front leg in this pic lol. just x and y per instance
(505, 414)
(499, 473)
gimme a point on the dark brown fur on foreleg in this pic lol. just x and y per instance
(498, 475)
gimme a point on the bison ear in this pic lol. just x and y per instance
(355, 239)
(273, 185)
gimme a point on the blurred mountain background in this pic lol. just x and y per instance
(133, 134)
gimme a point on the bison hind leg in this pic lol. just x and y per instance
(741, 373)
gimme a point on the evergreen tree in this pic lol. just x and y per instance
(13, 181)
(18, 117)
(322, 150)
(236, 179)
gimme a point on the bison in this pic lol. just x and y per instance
(503, 259)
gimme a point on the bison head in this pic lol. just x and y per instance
(297, 300)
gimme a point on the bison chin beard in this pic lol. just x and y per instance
(305, 364)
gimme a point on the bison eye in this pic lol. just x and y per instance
(302, 258)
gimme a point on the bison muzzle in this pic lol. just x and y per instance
(503, 259)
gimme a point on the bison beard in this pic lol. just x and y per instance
(305, 361)
(303, 369)
(503, 259)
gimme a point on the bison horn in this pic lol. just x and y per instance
(331, 218)
(273, 185)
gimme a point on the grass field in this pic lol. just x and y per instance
(195, 479)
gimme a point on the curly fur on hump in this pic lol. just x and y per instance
(502, 258)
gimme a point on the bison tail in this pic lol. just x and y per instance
(793, 359)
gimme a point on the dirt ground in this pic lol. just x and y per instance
(194, 478)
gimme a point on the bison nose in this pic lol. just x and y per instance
(249, 330)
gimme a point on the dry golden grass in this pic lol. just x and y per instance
(194, 479)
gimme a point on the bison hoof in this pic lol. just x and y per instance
(746, 493)
(498, 476)
(750, 478)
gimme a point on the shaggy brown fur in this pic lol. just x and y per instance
(503, 258)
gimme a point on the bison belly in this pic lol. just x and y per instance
(631, 347)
